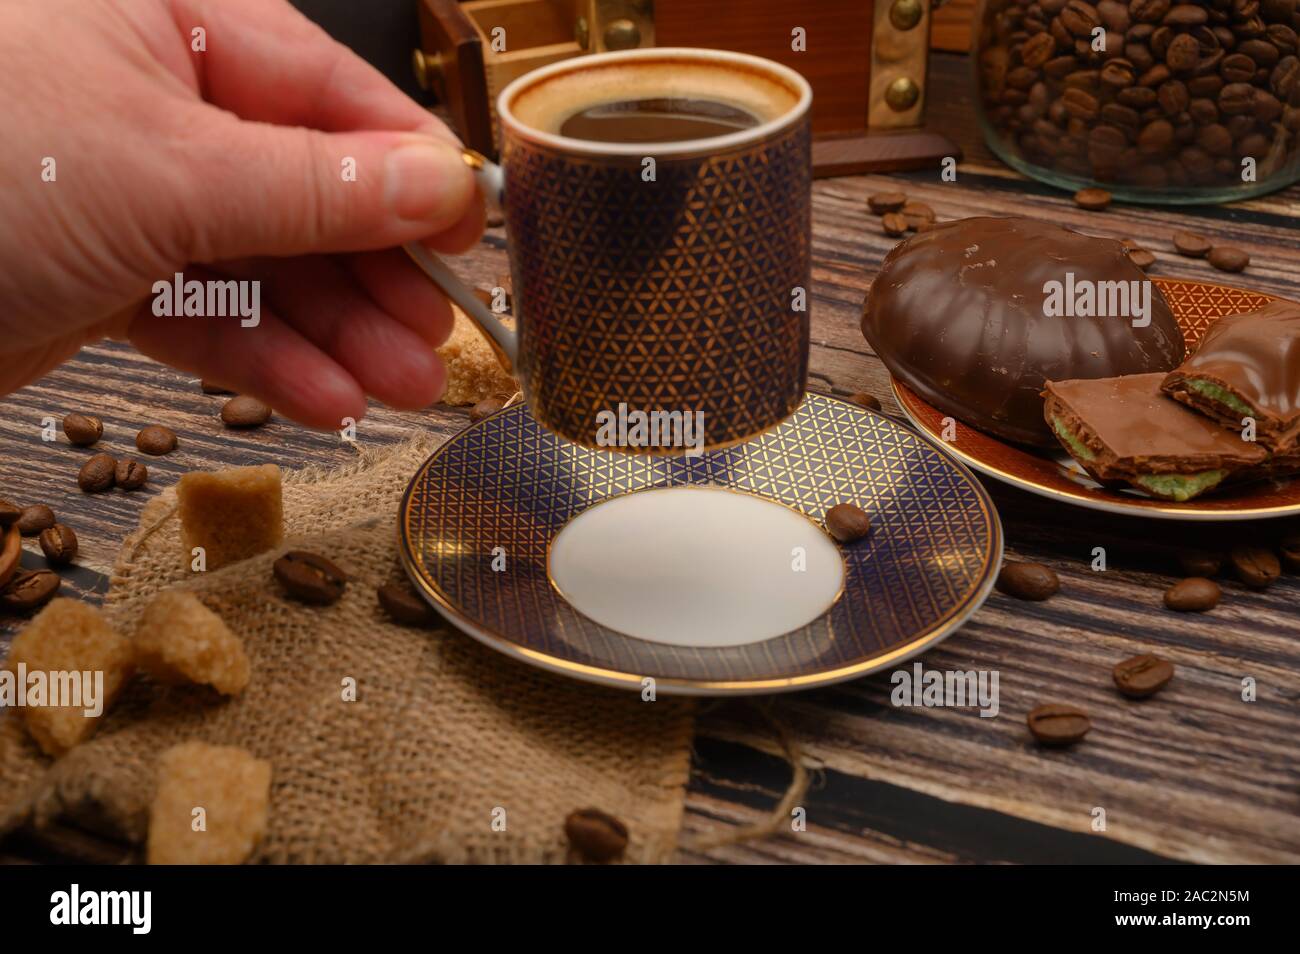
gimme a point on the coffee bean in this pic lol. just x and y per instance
(1283, 37)
(917, 213)
(1215, 139)
(1118, 73)
(405, 607)
(1137, 97)
(309, 577)
(156, 440)
(1199, 562)
(1183, 53)
(29, 590)
(1106, 144)
(244, 412)
(1264, 53)
(1191, 244)
(1114, 15)
(1081, 104)
(882, 202)
(1055, 724)
(1094, 200)
(1257, 567)
(11, 554)
(1237, 98)
(1203, 111)
(1142, 676)
(211, 387)
(1060, 67)
(82, 430)
(1028, 581)
(59, 544)
(32, 520)
(1289, 549)
(1285, 77)
(894, 224)
(1140, 257)
(1037, 50)
(1205, 86)
(1156, 137)
(866, 400)
(1227, 259)
(489, 406)
(1139, 55)
(1237, 68)
(1186, 15)
(1149, 11)
(97, 474)
(130, 474)
(847, 523)
(1080, 18)
(9, 514)
(1173, 97)
(1196, 594)
(595, 835)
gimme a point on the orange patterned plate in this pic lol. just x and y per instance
(1196, 305)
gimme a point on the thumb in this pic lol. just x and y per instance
(287, 190)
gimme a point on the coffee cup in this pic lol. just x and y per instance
(657, 208)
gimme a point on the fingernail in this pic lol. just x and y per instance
(427, 182)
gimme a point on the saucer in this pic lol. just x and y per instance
(709, 575)
(1054, 474)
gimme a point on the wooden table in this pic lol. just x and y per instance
(1194, 774)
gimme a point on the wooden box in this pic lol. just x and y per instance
(866, 61)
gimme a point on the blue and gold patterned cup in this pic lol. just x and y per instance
(658, 278)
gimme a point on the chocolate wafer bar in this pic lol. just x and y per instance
(1127, 429)
(1248, 366)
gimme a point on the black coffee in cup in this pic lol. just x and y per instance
(657, 120)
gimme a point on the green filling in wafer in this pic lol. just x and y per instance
(1221, 395)
(1180, 487)
(1077, 447)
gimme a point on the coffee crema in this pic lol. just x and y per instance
(660, 119)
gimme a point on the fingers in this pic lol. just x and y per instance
(387, 357)
(261, 190)
(394, 283)
(265, 61)
(271, 362)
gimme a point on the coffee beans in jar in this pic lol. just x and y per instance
(1150, 98)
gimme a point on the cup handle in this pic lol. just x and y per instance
(491, 183)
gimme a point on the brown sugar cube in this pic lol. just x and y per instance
(473, 371)
(66, 640)
(232, 514)
(181, 640)
(232, 788)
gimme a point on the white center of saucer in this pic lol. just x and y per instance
(696, 566)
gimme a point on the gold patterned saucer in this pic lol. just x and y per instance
(483, 530)
(1196, 306)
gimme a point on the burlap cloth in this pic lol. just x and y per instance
(444, 738)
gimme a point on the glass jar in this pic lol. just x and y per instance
(1154, 100)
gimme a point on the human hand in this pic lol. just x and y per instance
(224, 163)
